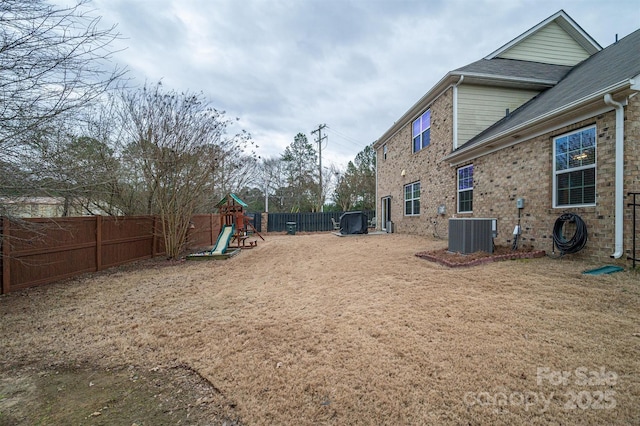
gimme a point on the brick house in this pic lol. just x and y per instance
(550, 117)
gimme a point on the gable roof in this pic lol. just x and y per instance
(231, 198)
(565, 22)
(494, 70)
(612, 70)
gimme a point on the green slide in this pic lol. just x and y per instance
(223, 240)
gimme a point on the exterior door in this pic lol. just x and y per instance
(385, 213)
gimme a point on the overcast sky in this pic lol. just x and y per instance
(286, 66)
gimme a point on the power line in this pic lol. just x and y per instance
(349, 139)
(319, 140)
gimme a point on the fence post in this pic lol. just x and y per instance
(211, 240)
(154, 243)
(98, 243)
(6, 252)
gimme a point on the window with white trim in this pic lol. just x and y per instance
(574, 168)
(384, 151)
(465, 189)
(412, 199)
(422, 131)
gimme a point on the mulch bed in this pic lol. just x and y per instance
(457, 260)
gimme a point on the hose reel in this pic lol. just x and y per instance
(579, 238)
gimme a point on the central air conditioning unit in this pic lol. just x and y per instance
(472, 234)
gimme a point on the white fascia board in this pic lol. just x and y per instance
(489, 149)
(448, 81)
(493, 78)
(522, 36)
(417, 108)
(565, 21)
(635, 83)
(497, 142)
(579, 35)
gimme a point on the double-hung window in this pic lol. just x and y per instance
(422, 131)
(465, 189)
(574, 168)
(412, 199)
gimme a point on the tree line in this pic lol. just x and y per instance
(71, 127)
(291, 182)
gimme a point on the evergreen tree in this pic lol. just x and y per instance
(300, 168)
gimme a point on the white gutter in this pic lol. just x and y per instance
(378, 162)
(496, 78)
(539, 119)
(418, 108)
(455, 112)
(619, 180)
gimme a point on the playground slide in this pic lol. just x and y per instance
(223, 240)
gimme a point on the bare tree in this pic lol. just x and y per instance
(329, 179)
(235, 171)
(78, 169)
(344, 192)
(178, 140)
(271, 180)
(52, 63)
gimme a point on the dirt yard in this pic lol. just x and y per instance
(318, 329)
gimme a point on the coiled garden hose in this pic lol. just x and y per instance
(579, 238)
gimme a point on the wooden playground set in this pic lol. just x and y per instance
(236, 230)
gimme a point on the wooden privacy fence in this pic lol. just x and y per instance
(41, 251)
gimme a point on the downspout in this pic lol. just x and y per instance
(377, 214)
(455, 112)
(619, 179)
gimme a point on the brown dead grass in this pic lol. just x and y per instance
(312, 329)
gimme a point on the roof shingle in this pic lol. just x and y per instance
(614, 64)
(516, 69)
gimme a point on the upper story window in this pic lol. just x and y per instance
(412, 199)
(422, 131)
(465, 189)
(384, 151)
(574, 168)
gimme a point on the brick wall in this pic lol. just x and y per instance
(523, 170)
(437, 179)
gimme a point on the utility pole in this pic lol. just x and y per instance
(319, 140)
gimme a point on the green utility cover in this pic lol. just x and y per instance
(608, 269)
